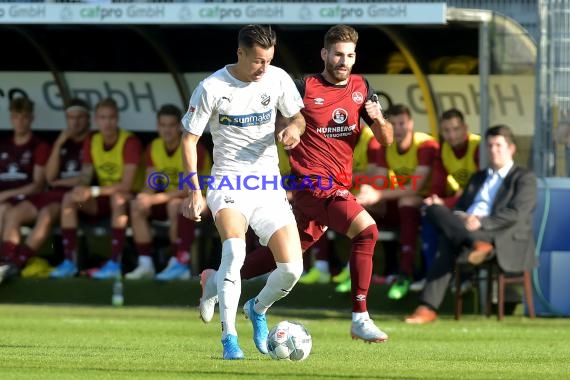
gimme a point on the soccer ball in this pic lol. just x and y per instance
(289, 341)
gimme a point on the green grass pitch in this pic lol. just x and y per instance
(79, 342)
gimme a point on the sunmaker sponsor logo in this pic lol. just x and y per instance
(244, 121)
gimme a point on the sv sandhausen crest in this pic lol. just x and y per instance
(265, 99)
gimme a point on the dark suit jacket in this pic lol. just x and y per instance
(510, 222)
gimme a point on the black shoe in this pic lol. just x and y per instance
(8, 271)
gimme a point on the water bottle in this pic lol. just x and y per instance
(118, 299)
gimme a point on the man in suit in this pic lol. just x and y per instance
(492, 216)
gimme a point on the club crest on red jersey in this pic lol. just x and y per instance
(357, 97)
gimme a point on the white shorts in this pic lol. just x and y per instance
(265, 211)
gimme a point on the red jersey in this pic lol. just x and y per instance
(70, 156)
(332, 114)
(17, 162)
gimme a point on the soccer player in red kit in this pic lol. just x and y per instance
(335, 100)
(22, 168)
(62, 173)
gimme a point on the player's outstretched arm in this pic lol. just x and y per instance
(289, 130)
(193, 205)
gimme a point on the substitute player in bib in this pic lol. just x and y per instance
(240, 102)
(162, 200)
(335, 100)
(457, 162)
(112, 157)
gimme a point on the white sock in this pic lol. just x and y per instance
(360, 316)
(278, 285)
(146, 261)
(322, 266)
(229, 283)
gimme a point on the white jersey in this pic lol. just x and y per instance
(241, 116)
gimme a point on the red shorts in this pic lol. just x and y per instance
(45, 198)
(313, 214)
(103, 209)
(159, 212)
(387, 215)
(15, 200)
(103, 206)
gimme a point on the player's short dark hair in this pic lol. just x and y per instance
(453, 113)
(263, 36)
(340, 33)
(399, 109)
(76, 102)
(502, 130)
(169, 110)
(21, 104)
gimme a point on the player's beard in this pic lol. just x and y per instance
(338, 76)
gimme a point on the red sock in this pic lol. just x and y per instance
(257, 262)
(183, 257)
(23, 254)
(361, 266)
(117, 243)
(321, 248)
(9, 250)
(409, 229)
(69, 242)
(144, 249)
(183, 244)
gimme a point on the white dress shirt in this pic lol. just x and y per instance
(483, 202)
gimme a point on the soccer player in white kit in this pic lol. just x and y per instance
(239, 102)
